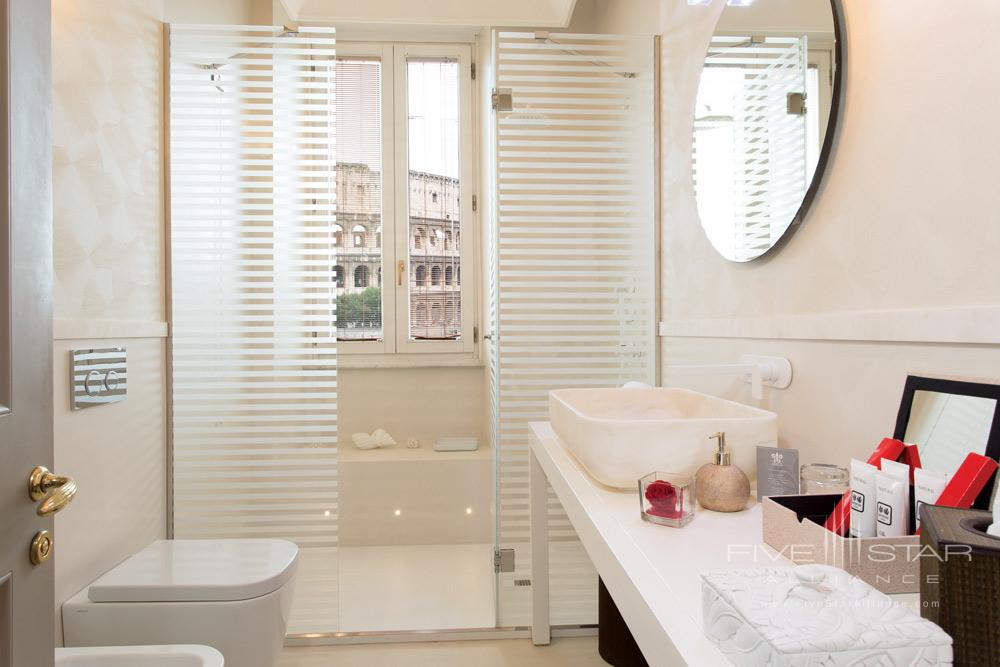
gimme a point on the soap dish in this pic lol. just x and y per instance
(667, 498)
(453, 444)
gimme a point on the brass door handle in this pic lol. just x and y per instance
(41, 482)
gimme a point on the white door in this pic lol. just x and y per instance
(26, 590)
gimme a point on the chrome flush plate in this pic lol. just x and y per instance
(98, 376)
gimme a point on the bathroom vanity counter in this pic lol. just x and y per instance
(652, 572)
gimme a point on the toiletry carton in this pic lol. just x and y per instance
(793, 526)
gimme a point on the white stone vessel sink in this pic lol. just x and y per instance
(620, 435)
(179, 655)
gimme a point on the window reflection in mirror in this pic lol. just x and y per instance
(764, 108)
(946, 427)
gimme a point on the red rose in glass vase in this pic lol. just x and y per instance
(665, 499)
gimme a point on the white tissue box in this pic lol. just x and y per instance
(458, 444)
(814, 615)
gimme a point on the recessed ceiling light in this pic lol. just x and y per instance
(398, 512)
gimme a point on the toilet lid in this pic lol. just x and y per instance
(199, 570)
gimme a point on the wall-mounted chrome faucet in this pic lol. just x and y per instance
(775, 372)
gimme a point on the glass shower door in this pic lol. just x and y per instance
(572, 273)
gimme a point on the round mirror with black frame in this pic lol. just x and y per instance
(769, 101)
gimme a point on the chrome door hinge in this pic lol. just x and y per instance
(503, 560)
(473, 71)
(796, 104)
(475, 204)
(502, 99)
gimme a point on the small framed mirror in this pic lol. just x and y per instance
(947, 419)
(768, 103)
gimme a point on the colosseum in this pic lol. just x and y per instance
(434, 239)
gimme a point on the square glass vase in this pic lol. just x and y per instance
(667, 498)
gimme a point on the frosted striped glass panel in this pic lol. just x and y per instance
(750, 161)
(575, 298)
(252, 224)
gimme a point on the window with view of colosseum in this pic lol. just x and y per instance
(421, 285)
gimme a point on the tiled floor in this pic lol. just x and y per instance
(377, 589)
(564, 652)
(421, 587)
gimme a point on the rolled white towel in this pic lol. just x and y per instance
(636, 385)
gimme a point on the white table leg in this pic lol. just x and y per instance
(540, 630)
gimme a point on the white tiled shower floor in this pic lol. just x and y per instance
(394, 588)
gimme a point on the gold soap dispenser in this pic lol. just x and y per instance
(721, 486)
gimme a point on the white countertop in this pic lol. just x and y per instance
(654, 572)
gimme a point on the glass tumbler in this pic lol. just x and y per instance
(824, 478)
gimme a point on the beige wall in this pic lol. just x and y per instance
(232, 12)
(109, 285)
(433, 12)
(116, 454)
(425, 403)
(433, 488)
(624, 17)
(107, 160)
(800, 15)
(226, 12)
(905, 221)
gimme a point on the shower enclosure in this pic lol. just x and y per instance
(288, 204)
(572, 269)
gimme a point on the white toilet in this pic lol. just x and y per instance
(233, 595)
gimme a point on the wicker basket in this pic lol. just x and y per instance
(960, 581)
